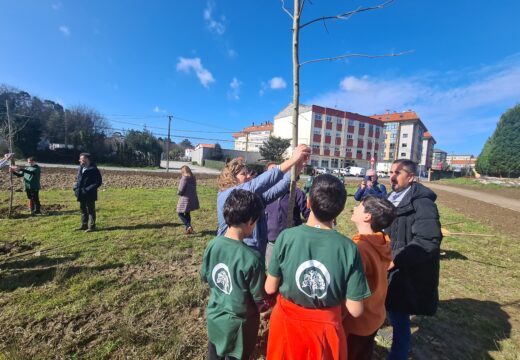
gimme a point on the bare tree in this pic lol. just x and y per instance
(7, 131)
(297, 26)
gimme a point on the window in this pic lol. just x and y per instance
(314, 163)
(317, 131)
(369, 154)
(403, 154)
(336, 149)
(370, 127)
(325, 163)
(326, 147)
(351, 123)
(349, 136)
(327, 133)
(391, 155)
(329, 118)
(405, 136)
(349, 150)
(317, 116)
(314, 146)
(359, 152)
(404, 145)
(339, 121)
(361, 125)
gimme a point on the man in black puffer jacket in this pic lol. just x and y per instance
(87, 182)
(415, 235)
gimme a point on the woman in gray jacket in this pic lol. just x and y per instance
(188, 200)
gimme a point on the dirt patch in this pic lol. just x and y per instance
(509, 192)
(17, 246)
(504, 221)
(63, 179)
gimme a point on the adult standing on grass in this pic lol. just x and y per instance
(415, 235)
(188, 200)
(6, 159)
(370, 186)
(269, 186)
(31, 181)
(87, 182)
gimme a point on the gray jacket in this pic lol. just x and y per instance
(188, 200)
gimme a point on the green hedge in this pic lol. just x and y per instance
(213, 164)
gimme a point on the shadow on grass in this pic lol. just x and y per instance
(40, 261)
(462, 329)
(139, 226)
(452, 255)
(21, 278)
(205, 233)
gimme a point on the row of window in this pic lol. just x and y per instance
(339, 121)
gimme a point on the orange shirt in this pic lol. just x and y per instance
(376, 255)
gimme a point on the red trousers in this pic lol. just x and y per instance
(298, 333)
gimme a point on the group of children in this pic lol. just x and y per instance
(328, 290)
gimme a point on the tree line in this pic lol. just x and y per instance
(52, 133)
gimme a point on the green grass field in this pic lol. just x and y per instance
(132, 290)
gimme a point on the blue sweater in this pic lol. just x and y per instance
(269, 186)
(377, 190)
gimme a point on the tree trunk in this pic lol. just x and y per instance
(296, 105)
(10, 144)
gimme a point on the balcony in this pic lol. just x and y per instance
(336, 153)
(316, 138)
(328, 125)
(361, 132)
(339, 127)
(359, 156)
(350, 142)
(338, 141)
(327, 139)
(350, 129)
(348, 155)
(315, 151)
(370, 133)
(360, 144)
(326, 152)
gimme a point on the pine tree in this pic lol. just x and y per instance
(274, 148)
(501, 153)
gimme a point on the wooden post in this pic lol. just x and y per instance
(168, 145)
(10, 145)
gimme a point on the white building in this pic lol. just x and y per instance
(427, 151)
(252, 137)
(337, 138)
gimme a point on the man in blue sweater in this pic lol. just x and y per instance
(370, 186)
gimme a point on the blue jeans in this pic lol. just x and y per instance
(401, 336)
(186, 219)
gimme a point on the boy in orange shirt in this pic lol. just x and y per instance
(371, 216)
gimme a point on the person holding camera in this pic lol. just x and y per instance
(370, 186)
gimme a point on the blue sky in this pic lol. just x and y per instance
(218, 66)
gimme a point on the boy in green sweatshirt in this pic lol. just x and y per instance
(31, 180)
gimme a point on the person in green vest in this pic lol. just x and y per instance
(31, 180)
(235, 274)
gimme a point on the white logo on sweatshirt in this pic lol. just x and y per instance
(222, 278)
(313, 279)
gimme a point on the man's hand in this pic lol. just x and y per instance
(391, 266)
(370, 184)
(363, 185)
(301, 154)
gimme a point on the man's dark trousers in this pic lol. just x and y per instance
(88, 212)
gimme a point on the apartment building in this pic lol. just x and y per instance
(337, 138)
(252, 137)
(404, 134)
(457, 162)
(427, 151)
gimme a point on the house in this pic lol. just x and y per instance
(252, 137)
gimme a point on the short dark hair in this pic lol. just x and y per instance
(327, 196)
(242, 206)
(87, 155)
(408, 165)
(382, 210)
(30, 157)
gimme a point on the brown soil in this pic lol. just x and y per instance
(509, 192)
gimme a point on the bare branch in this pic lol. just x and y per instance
(356, 55)
(301, 7)
(285, 9)
(348, 14)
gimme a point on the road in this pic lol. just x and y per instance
(504, 202)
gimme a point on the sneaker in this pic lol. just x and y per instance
(82, 228)
(91, 229)
(189, 230)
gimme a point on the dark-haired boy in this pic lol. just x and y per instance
(236, 275)
(371, 216)
(319, 271)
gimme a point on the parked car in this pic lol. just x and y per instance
(344, 171)
(321, 170)
(382, 174)
(336, 171)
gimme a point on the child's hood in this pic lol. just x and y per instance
(379, 242)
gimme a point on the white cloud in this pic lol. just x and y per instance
(458, 107)
(186, 65)
(234, 89)
(65, 30)
(277, 83)
(217, 26)
(157, 109)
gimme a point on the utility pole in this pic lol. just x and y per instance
(168, 145)
(66, 129)
(10, 127)
(247, 145)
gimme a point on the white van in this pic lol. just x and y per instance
(357, 171)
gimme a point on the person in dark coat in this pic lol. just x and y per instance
(87, 182)
(31, 181)
(276, 213)
(415, 238)
(188, 200)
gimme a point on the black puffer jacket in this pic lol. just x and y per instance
(415, 239)
(87, 183)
